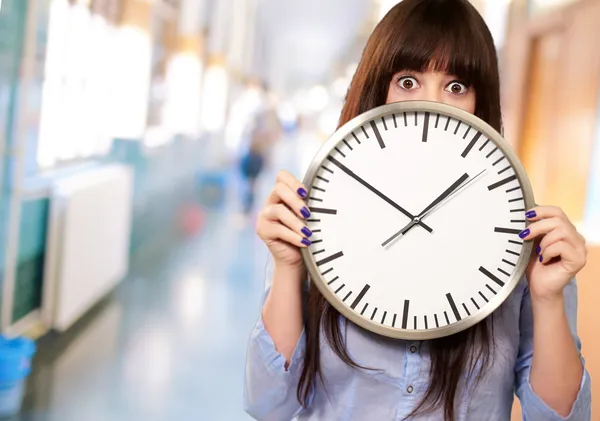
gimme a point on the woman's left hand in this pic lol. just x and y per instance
(560, 252)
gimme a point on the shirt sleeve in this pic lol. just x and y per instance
(534, 408)
(270, 388)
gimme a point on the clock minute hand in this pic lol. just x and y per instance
(377, 192)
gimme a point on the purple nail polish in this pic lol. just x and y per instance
(302, 193)
(531, 214)
(541, 258)
(306, 232)
(524, 233)
(305, 212)
(538, 250)
(306, 242)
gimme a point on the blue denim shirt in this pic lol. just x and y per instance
(392, 393)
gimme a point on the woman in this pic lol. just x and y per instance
(317, 365)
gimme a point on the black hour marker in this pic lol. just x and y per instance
(506, 230)
(340, 288)
(517, 221)
(355, 138)
(333, 280)
(470, 145)
(327, 271)
(394, 321)
(483, 296)
(437, 120)
(457, 126)
(364, 131)
(374, 312)
(503, 272)
(322, 179)
(491, 276)
(415, 323)
(395, 124)
(453, 306)
(316, 199)
(508, 251)
(502, 182)
(447, 319)
(509, 263)
(520, 243)
(425, 318)
(340, 152)
(364, 308)
(348, 145)
(425, 128)
(327, 169)
(512, 190)
(316, 230)
(475, 302)
(377, 134)
(416, 122)
(492, 152)
(504, 170)
(383, 318)
(323, 210)
(405, 314)
(484, 145)
(499, 160)
(467, 133)
(491, 289)
(515, 200)
(405, 123)
(318, 252)
(437, 324)
(318, 189)
(466, 309)
(330, 258)
(317, 241)
(384, 124)
(361, 294)
(517, 210)
(447, 124)
(347, 295)
(313, 220)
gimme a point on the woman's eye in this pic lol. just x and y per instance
(408, 83)
(457, 88)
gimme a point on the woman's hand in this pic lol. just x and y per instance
(560, 252)
(280, 223)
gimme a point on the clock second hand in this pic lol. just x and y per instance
(428, 210)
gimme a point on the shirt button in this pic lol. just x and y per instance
(410, 389)
(413, 349)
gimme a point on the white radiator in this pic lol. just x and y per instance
(88, 242)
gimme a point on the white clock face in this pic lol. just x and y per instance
(416, 210)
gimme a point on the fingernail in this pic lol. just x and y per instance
(541, 258)
(302, 193)
(531, 214)
(524, 233)
(538, 250)
(306, 232)
(306, 242)
(305, 212)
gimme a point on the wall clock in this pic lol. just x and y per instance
(416, 208)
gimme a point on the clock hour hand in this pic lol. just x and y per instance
(444, 197)
(377, 192)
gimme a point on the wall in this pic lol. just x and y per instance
(551, 79)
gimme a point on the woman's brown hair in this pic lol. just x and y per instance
(418, 35)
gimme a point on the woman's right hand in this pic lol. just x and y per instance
(281, 221)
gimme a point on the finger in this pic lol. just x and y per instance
(282, 215)
(540, 227)
(274, 231)
(291, 200)
(565, 251)
(293, 183)
(560, 233)
(544, 212)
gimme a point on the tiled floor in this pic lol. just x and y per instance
(170, 343)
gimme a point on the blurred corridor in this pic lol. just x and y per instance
(140, 137)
